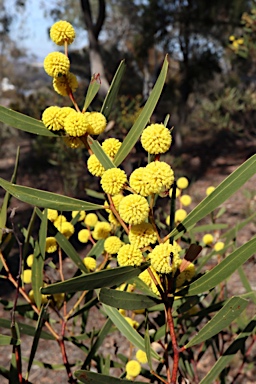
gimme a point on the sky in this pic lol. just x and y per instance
(30, 30)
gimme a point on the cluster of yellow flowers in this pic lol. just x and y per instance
(235, 43)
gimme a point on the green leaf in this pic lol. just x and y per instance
(89, 377)
(26, 329)
(97, 249)
(224, 360)
(126, 300)
(103, 158)
(43, 233)
(230, 185)
(208, 228)
(105, 278)
(46, 199)
(23, 122)
(232, 233)
(228, 313)
(223, 270)
(113, 90)
(8, 340)
(127, 330)
(92, 91)
(148, 348)
(39, 326)
(95, 194)
(37, 275)
(143, 118)
(97, 343)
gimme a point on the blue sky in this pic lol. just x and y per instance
(32, 26)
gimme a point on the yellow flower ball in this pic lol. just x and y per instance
(94, 166)
(116, 201)
(90, 263)
(180, 215)
(101, 230)
(134, 209)
(58, 299)
(156, 138)
(83, 235)
(209, 190)
(133, 368)
(113, 220)
(67, 229)
(146, 278)
(112, 244)
(111, 146)
(73, 142)
(185, 200)
(165, 258)
(219, 246)
(52, 214)
(51, 244)
(140, 181)
(59, 221)
(30, 260)
(178, 192)
(208, 239)
(128, 254)
(27, 276)
(53, 119)
(75, 124)
(65, 111)
(96, 122)
(81, 216)
(64, 84)
(133, 323)
(113, 181)
(91, 219)
(61, 32)
(160, 176)
(142, 235)
(141, 356)
(182, 183)
(56, 64)
(231, 38)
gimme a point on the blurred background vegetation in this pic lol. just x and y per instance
(210, 93)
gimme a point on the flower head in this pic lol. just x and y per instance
(140, 181)
(52, 214)
(141, 356)
(81, 215)
(94, 166)
(165, 258)
(219, 246)
(160, 176)
(142, 235)
(59, 221)
(116, 201)
(129, 254)
(67, 229)
(83, 235)
(90, 263)
(209, 190)
(185, 200)
(113, 181)
(111, 146)
(96, 123)
(189, 271)
(101, 230)
(112, 244)
(91, 219)
(30, 260)
(75, 124)
(180, 215)
(156, 138)
(147, 279)
(50, 244)
(56, 64)
(208, 239)
(64, 84)
(182, 183)
(134, 209)
(133, 368)
(53, 119)
(61, 32)
(73, 142)
(113, 220)
(178, 191)
(27, 276)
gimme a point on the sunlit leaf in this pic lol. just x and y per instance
(92, 91)
(103, 158)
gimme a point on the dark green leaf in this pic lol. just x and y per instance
(97, 195)
(223, 270)
(103, 158)
(228, 313)
(148, 348)
(105, 278)
(89, 377)
(113, 90)
(26, 329)
(92, 91)
(143, 118)
(46, 199)
(97, 249)
(8, 340)
(126, 300)
(23, 122)
(37, 275)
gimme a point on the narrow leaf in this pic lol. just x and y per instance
(223, 270)
(37, 275)
(224, 361)
(23, 122)
(89, 377)
(229, 186)
(228, 313)
(127, 330)
(103, 158)
(97, 249)
(126, 300)
(113, 90)
(43, 233)
(26, 329)
(46, 199)
(143, 118)
(92, 91)
(148, 348)
(105, 278)
(8, 340)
